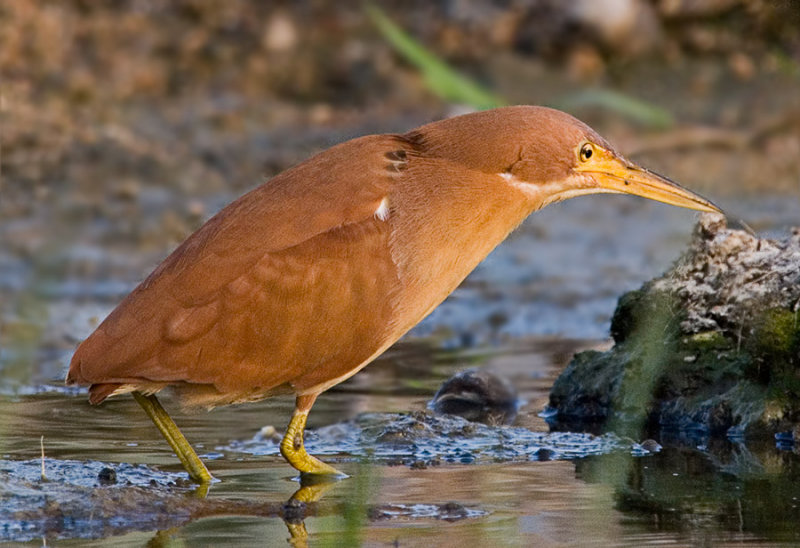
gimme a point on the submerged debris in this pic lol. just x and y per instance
(712, 346)
(449, 511)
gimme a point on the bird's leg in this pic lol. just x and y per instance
(191, 462)
(292, 447)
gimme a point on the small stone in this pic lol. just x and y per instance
(267, 431)
(477, 395)
(107, 476)
(270, 433)
(196, 208)
(742, 66)
(280, 34)
(452, 511)
(294, 511)
(128, 189)
(652, 446)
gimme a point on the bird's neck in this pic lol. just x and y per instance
(448, 219)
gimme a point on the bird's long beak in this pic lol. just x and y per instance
(615, 174)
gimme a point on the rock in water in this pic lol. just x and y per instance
(477, 395)
(711, 346)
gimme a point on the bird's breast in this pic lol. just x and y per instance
(445, 221)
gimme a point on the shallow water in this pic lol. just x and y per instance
(595, 492)
(559, 274)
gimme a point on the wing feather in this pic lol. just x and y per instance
(242, 290)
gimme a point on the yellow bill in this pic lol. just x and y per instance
(615, 174)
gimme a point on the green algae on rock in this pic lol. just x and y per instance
(711, 346)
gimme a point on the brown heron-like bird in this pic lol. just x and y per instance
(300, 283)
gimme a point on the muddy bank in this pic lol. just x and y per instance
(711, 346)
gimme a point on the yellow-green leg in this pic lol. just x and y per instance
(191, 462)
(292, 447)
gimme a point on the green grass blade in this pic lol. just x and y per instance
(442, 80)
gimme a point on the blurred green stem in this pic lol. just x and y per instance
(440, 78)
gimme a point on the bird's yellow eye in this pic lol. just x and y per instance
(586, 152)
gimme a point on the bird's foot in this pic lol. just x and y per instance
(294, 450)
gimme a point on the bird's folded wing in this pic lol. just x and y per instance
(182, 296)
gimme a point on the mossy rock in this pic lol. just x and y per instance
(713, 346)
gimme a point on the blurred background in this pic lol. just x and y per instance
(125, 125)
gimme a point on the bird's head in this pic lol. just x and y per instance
(573, 160)
(552, 156)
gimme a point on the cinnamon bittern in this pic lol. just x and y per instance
(300, 283)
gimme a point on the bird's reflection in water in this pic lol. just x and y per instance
(312, 488)
(293, 512)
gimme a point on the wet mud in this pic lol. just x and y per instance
(423, 439)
